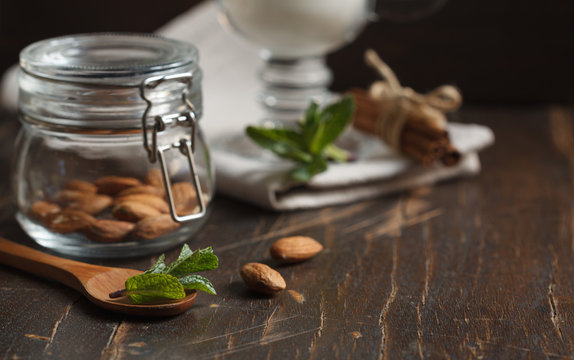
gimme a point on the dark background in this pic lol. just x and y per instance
(510, 51)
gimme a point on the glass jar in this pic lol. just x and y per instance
(110, 161)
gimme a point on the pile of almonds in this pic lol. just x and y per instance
(263, 279)
(114, 209)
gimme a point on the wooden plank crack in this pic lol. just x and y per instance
(111, 342)
(551, 298)
(254, 344)
(59, 322)
(268, 324)
(313, 345)
(390, 299)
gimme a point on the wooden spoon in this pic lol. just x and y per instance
(95, 282)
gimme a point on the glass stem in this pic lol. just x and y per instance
(289, 85)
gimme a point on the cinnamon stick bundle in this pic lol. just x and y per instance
(420, 139)
(412, 123)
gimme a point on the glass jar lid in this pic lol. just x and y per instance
(93, 81)
(107, 58)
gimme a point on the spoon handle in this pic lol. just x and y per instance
(36, 262)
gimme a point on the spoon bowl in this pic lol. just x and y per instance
(98, 288)
(94, 281)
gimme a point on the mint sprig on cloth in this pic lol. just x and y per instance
(170, 282)
(310, 146)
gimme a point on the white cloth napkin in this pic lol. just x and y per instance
(230, 85)
(379, 170)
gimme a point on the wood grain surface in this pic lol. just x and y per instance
(468, 269)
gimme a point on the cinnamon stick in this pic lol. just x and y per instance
(421, 141)
(429, 129)
(422, 137)
(424, 157)
(451, 156)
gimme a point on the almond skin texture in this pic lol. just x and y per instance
(143, 189)
(109, 230)
(184, 197)
(68, 196)
(81, 185)
(150, 200)
(68, 221)
(133, 211)
(41, 209)
(111, 185)
(91, 204)
(295, 249)
(154, 178)
(262, 279)
(155, 226)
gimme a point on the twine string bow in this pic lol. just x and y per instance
(397, 101)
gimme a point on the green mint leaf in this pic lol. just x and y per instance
(161, 281)
(158, 267)
(185, 252)
(207, 260)
(283, 142)
(180, 267)
(318, 165)
(311, 114)
(310, 124)
(301, 173)
(197, 282)
(335, 119)
(333, 152)
(146, 288)
(191, 262)
(311, 144)
(315, 144)
(305, 172)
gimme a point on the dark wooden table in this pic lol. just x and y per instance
(472, 268)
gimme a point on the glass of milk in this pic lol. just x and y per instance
(295, 36)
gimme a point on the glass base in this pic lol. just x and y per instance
(79, 245)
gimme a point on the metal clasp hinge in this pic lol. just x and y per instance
(185, 148)
(187, 118)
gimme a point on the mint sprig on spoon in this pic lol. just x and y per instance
(170, 282)
(311, 145)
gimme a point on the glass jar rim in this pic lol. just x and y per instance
(98, 80)
(112, 59)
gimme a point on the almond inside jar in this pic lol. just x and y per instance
(115, 209)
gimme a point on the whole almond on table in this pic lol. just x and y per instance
(261, 278)
(41, 209)
(134, 211)
(185, 197)
(81, 185)
(111, 185)
(150, 200)
(108, 230)
(295, 249)
(154, 226)
(92, 204)
(143, 189)
(68, 221)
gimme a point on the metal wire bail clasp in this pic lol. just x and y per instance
(186, 118)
